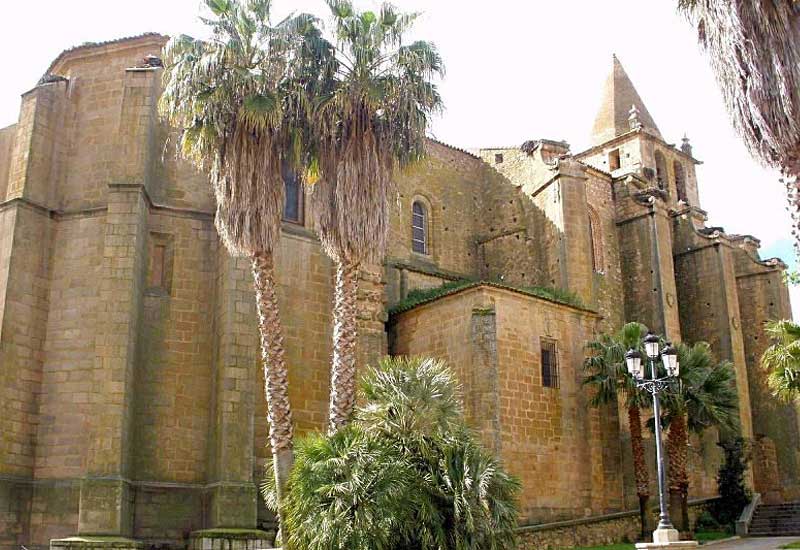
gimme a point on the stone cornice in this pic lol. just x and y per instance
(635, 133)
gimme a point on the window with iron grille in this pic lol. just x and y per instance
(419, 228)
(549, 363)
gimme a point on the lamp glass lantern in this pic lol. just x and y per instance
(669, 357)
(651, 345)
(633, 360)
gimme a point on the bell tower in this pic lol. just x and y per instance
(625, 140)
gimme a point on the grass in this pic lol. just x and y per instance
(792, 545)
(421, 296)
(618, 546)
(708, 536)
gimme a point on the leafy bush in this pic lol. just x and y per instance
(706, 522)
(405, 474)
(733, 492)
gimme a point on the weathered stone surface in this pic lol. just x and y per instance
(132, 388)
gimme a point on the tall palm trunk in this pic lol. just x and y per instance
(275, 376)
(678, 448)
(640, 466)
(345, 338)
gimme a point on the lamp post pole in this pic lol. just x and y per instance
(665, 534)
(664, 521)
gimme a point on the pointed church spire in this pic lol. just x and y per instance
(619, 99)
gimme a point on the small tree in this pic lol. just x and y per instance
(704, 397)
(406, 474)
(733, 493)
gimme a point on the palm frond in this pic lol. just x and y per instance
(782, 359)
(754, 52)
(371, 120)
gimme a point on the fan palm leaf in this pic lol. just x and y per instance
(754, 50)
(782, 359)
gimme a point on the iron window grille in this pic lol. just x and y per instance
(549, 363)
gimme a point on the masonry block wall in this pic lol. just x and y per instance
(548, 437)
(709, 302)
(763, 296)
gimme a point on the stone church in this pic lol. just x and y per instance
(131, 392)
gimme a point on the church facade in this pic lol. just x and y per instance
(129, 365)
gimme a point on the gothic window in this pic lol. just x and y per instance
(293, 205)
(419, 228)
(613, 160)
(596, 237)
(661, 170)
(680, 181)
(549, 363)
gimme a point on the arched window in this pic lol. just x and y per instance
(596, 238)
(661, 171)
(680, 181)
(419, 228)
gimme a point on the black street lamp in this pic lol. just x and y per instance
(665, 533)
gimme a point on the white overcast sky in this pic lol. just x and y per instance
(516, 70)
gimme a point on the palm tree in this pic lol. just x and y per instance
(607, 374)
(405, 474)
(782, 359)
(754, 49)
(704, 397)
(372, 121)
(235, 101)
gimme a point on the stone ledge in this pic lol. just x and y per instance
(230, 539)
(90, 542)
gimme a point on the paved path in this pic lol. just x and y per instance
(754, 543)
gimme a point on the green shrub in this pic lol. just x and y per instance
(706, 522)
(733, 492)
(405, 474)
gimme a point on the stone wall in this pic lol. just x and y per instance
(7, 137)
(596, 531)
(607, 278)
(709, 302)
(763, 296)
(549, 437)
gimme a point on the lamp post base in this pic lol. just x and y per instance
(668, 539)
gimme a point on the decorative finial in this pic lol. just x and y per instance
(633, 119)
(686, 147)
